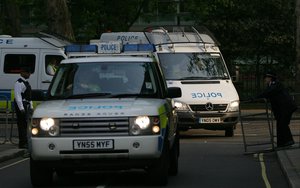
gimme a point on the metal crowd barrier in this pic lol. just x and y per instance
(257, 126)
(296, 117)
(7, 122)
(4, 112)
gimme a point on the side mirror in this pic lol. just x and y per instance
(174, 92)
(38, 95)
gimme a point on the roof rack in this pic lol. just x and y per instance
(61, 41)
(179, 34)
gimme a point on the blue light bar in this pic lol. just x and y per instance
(139, 48)
(81, 48)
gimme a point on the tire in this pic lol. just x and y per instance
(159, 172)
(173, 170)
(62, 173)
(40, 176)
(229, 132)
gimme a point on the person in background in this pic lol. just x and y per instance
(52, 66)
(23, 105)
(283, 106)
(86, 82)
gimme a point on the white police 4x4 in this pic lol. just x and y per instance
(105, 112)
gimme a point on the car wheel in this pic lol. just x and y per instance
(173, 170)
(60, 172)
(40, 175)
(159, 171)
(229, 132)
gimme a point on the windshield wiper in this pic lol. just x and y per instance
(218, 77)
(193, 78)
(203, 78)
(87, 95)
(121, 95)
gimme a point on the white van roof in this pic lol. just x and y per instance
(125, 37)
(180, 34)
(31, 42)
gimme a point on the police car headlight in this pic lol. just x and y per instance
(44, 127)
(181, 106)
(46, 123)
(144, 125)
(143, 122)
(233, 106)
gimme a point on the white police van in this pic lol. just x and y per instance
(32, 52)
(192, 61)
(106, 111)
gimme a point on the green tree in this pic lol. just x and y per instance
(90, 18)
(53, 16)
(297, 67)
(10, 17)
(258, 30)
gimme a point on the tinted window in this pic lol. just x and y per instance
(193, 66)
(14, 62)
(110, 77)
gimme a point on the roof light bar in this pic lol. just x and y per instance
(81, 48)
(109, 48)
(139, 48)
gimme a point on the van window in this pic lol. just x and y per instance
(14, 62)
(198, 66)
(52, 63)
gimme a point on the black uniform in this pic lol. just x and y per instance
(283, 107)
(23, 105)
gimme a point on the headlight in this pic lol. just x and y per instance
(46, 123)
(44, 127)
(144, 125)
(233, 106)
(181, 106)
(143, 122)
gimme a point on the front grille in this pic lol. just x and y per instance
(94, 127)
(201, 107)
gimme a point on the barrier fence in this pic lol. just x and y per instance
(8, 129)
(256, 120)
(259, 126)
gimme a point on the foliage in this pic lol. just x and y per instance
(92, 17)
(250, 29)
(255, 30)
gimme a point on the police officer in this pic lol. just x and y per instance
(282, 105)
(23, 105)
(52, 66)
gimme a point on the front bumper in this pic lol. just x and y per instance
(127, 147)
(190, 120)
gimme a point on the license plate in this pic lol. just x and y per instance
(209, 120)
(93, 144)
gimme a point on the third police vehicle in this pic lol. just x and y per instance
(191, 59)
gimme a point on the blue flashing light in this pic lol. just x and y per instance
(147, 47)
(130, 47)
(81, 48)
(139, 47)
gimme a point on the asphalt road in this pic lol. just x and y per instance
(207, 160)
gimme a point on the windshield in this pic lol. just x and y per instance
(198, 66)
(103, 79)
